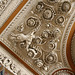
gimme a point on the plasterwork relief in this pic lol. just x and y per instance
(7, 7)
(38, 35)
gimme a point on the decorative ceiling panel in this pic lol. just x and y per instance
(10, 63)
(7, 7)
(40, 35)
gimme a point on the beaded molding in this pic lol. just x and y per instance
(64, 39)
(3, 5)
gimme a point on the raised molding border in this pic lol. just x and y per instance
(6, 13)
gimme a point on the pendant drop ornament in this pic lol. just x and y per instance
(40, 6)
(65, 7)
(51, 58)
(32, 22)
(39, 63)
(45, 34)
(60, 20)
(48, 13)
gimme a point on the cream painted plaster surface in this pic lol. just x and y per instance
(8, 10)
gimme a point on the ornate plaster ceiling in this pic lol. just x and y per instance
(42, 35)
(11, 65)
(7, 7)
